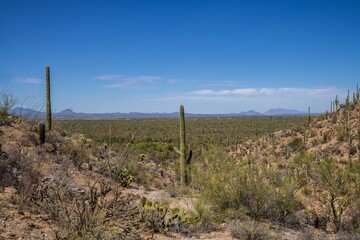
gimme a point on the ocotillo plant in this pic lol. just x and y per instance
(41, 133)
(185, 161)
(48, 102)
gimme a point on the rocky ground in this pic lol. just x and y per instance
(30, 173)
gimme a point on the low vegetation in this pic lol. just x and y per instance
(249, 178)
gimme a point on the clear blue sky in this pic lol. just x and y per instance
(151, 56)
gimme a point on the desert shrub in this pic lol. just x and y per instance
(160, 218)
(123, 165)
(56, 142)
(251, 230)
(338, 188)
(154, 216)
(157, 152)
(270, 196)
(6, 174)
(101, 212)
(7, 101)
(205, 216)
(246, 189)
(17, 171)
(347, 236)
(78, 156)
(326, 138)
(78, 148)
(342, 133)
(296, 144)
(301, 166)
(121, 175)
(308, 235)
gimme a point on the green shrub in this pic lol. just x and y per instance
(339, 187)
(7, 101)
(121, 175)
(296, 144)
(159, 218)
(246, 189)
(100, 213)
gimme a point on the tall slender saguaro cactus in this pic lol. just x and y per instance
(331, 104)
(48, 102)
(184, 160)
(347, 101)
(336, 103)
(309, 116)
(354, 98)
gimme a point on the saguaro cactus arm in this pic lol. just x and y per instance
(177, 150)
(188, 159)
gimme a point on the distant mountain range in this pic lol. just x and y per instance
(69, 114)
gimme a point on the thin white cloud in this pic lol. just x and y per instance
(220, 84)
(265, 91)
(172, 81)
(30, 80)
(122, 81)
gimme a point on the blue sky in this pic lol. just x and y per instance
(151, 56)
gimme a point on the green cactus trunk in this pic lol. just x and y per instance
(354, 98)
(336, 103)
(41, 133)
(183, 165)
(185, 156)
(48, 102)
(309, 116)
(331, 104)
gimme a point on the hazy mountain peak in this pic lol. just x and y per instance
(283, 111)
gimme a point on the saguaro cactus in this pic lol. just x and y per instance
(358, 136)
(48, 102)
(309, 116)
(42, 132)
(347, 101)
(354, 98)
(185, 160)
(336, 103)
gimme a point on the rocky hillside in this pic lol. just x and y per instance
(323, 158)
(332, 135)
